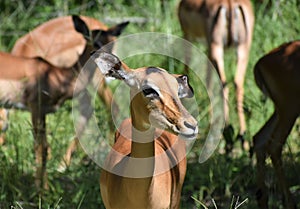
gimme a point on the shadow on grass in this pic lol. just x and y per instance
(226, 179)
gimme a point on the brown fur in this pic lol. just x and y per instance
(223, 23)
(40, 88)
(165, 189)
(277, 75)
(36, 85)
(154, 105)
(57, 42)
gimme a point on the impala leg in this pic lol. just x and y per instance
(216, 57)
(279, 136)
(262, 192)
(216, 53)
(260, 147)
(242, 60)
(41, 149)
(85, 111)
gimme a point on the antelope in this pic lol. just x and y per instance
(223, 23)
(58, 42)
(35, 85)
(157, 118)
(277, 75)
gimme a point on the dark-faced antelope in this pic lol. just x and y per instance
(223, 23)
(277, 74)
(157, 118)
(35, 85)
(60, 44)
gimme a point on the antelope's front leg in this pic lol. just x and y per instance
(261, 141)
(40, 148)
(216, 53)
(281, 131)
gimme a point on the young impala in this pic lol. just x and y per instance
(36, 85)
(223, 23)
(58, 42)
(148, 141)
(277, 74)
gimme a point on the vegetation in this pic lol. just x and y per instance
(228, 180)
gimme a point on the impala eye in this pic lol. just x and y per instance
(150, 92)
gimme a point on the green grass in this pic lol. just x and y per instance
(220, 178)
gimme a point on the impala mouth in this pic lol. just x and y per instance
(188, 136)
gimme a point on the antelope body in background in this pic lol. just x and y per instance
(223, 23)
(58, 42)
(36, 85)
(155, 104)
(277, 74)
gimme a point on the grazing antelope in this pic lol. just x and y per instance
(58, 42)
(35, 85)
(146, 149)
(277, 74)
(223, 23)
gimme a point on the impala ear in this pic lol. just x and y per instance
(111, 66)
(81, 27)
(118, 29)
(184, 90)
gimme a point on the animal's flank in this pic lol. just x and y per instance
(277, 75)
(259, 79)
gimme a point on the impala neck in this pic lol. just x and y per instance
(142, 137)
(85, 55)
(142, 143)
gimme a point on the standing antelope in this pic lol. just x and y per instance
(277, 74)
(223, 23)
(145, 148)
(58, 42)
(36, 85)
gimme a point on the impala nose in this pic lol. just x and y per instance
(190, 129)
(188, 125)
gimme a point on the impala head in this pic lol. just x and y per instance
(155, 96)
(98, 38)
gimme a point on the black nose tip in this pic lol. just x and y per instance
(189, 125)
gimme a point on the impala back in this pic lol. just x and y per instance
(56, 41)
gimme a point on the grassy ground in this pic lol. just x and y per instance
(222, 178)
